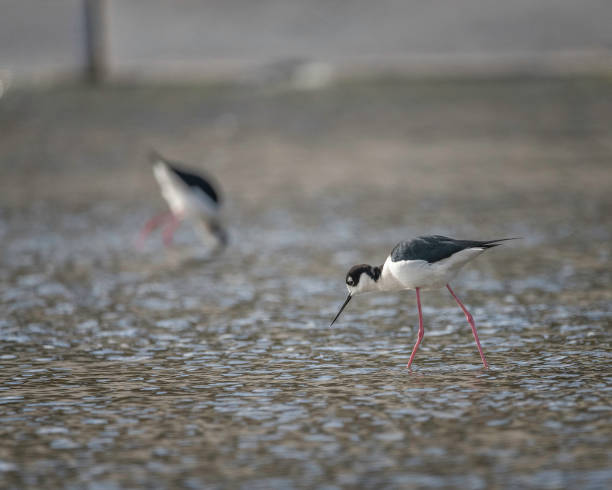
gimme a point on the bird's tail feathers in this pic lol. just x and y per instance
(495, 243)
(155, 156)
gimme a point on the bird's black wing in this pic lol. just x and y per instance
(189, 178)
(433, 248)
(193, 180)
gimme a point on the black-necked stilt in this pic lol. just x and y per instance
(189, 196)
(427, 262)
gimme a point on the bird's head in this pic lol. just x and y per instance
(359, 279)
(362, 279)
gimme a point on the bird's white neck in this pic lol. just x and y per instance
(387, 281)
(375, 278)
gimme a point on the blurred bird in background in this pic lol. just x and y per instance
(190, 196)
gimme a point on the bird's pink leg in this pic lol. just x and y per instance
(170, 228)
(421, 330)
(151, 225)
(471, 322)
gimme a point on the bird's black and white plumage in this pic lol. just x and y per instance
(434, 248)
(186, 192)
(190, 196)
(427, 262)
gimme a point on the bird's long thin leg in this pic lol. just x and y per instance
(151, 225)
(471, 322)
(170, 228)
(421, 330)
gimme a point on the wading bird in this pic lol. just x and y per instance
(427, 262)
(190, 197)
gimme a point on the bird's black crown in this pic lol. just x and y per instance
(354, 274)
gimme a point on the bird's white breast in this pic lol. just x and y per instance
(412, 274)
(182, 199)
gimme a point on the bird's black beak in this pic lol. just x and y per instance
(348, 298)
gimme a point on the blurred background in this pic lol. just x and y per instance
(189, 39)
(335, 129)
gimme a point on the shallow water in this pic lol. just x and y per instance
(175, 368)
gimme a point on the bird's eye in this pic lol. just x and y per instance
(349, 281)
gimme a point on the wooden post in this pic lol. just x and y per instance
(95, 40)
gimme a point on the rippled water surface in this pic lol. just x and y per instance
(177, 368)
